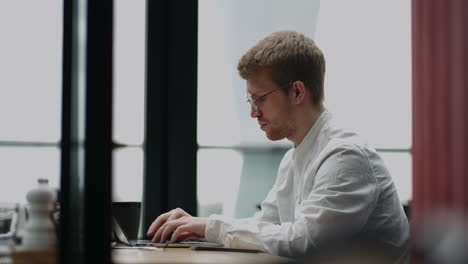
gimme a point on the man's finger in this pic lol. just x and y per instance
(157, 235)
(169, 228)
(180, 232)
(157, 223)
(164, 218)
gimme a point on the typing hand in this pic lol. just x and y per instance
(162, 219)
(178, 222)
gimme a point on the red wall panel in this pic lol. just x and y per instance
(440, 116)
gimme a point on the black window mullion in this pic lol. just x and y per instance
(171, 107)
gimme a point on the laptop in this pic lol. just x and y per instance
(121, 237)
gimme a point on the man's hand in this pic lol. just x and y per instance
(178, 222)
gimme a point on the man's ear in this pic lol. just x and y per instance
(297, 93)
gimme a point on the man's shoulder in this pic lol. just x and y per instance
(346, 141)
(348, 151)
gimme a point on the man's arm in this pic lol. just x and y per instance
(182, 225)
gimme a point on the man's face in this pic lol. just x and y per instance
(273, 111)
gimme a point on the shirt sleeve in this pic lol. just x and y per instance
(269, 208)
(343, 195)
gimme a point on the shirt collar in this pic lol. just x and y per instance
(306, 150)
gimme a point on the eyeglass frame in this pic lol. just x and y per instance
(252, 101)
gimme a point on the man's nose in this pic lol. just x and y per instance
(254, 113)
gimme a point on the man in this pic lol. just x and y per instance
(330, 186)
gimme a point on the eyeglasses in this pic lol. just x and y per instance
(253, 101)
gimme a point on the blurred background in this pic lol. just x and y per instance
(367, 88)
(379, 54)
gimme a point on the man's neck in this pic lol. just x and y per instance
(306, 119)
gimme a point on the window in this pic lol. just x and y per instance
(30, 95)
(368, 68)
(367, 46)
(129, 77)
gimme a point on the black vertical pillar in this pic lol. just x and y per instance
(171, 108)
(86, 132)
(71, 148)
(98, 132)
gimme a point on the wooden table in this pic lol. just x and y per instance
(187, 255)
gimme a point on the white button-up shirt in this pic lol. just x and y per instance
(331, 186)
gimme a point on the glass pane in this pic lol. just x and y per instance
(31, 67)
(128, 175)
(242, 179)
(22, 166)
(259, 173)
(400, 167)
(129, 71)
(367, 46)
(235, 25)
(218, 181)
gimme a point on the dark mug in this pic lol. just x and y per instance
(127, 214)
